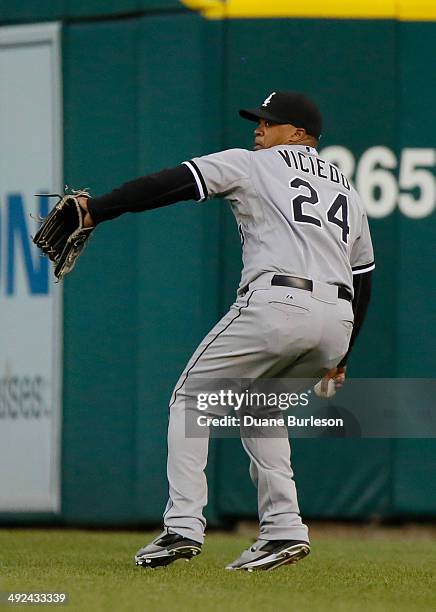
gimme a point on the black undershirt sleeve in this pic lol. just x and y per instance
(153, 191)
(362, 294)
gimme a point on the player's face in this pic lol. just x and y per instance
(268, 134)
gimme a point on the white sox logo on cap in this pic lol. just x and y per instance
(268, 99)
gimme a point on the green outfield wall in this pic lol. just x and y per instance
(149, 84)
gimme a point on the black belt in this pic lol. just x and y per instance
(303, 283)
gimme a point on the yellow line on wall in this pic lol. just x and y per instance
(404, 10)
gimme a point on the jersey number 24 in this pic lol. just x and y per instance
(336, 214)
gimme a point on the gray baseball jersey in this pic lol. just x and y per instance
(297, 213)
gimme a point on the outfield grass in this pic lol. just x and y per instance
(96, 569)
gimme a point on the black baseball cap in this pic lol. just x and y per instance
(287, 107)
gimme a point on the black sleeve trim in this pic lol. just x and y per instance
(201, 184)
(153, 191)
(364, 268)
(362, 284)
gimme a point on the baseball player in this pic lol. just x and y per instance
(307, 262)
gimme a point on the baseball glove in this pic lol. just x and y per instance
(62, 235)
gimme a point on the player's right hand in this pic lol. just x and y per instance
(337, 375)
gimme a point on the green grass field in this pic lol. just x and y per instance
(342, 573)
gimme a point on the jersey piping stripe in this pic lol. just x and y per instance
(364, 268)
(201, 185)
(210, 343)
(202, 181)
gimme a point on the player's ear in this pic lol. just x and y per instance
(300, 134)
(295, 134)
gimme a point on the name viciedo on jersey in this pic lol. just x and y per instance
(281, 198)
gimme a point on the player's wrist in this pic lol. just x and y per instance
(88, 221)
(83, 202)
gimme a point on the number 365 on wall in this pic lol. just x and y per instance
(384, 182)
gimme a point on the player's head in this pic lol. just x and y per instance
(285, 117)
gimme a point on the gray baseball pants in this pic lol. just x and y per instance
(271, 331)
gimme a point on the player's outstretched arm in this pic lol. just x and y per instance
(145, 193)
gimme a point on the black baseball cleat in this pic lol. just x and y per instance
(165, 549)
(269, 554)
